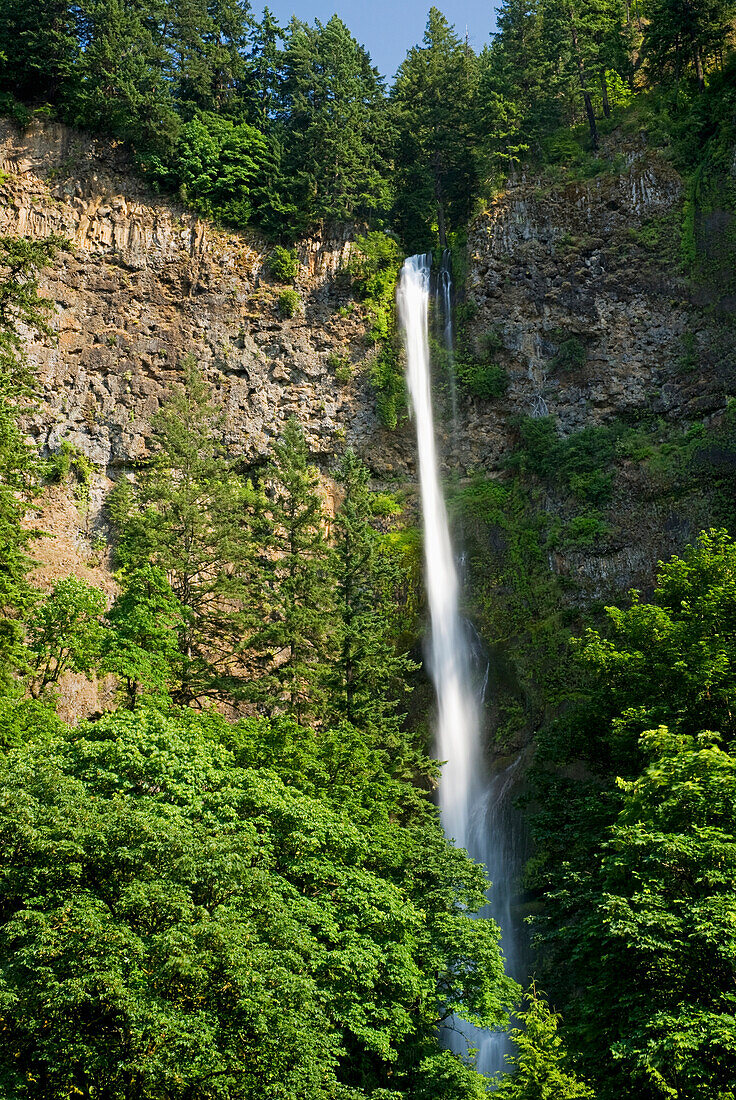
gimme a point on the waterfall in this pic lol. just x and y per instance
(473, 805)
(458, 740)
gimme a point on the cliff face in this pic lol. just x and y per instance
(591, 266)
(147, 283)
(583, 286)
(598, 262)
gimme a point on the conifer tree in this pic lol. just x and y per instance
(189, 515)
(39, 49)
(683, 36)
(432, 100)
(540, 1069)
(265, 69)
(297, 606)
(124, 84)
(334, 124)
(368, 675)
(210, 41)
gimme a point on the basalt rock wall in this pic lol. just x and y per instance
(146, 283)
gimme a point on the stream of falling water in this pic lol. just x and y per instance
(472, 803)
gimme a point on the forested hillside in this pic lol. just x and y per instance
(227, 878)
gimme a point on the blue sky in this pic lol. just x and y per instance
(388, 28)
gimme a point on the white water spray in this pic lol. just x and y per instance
(474, 806)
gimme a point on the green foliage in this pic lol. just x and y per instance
(289, 302)
(297, 602)
(581, 463)
(432, 97)
(484, 380)
(216, 167)
(586, 530)
(23, 311)
(67, 463)
(143, 645)
(368, 677)
(638, 880)
(384, 504)
(188, 514)
(65, 633)
(374, 267)
(283, 263)
(569, 355)
(540, 1065)
(177, 909)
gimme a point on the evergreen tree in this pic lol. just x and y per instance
(335, 128)
(210, 40)
(368, 675)
(297, 605)
(23, 310)
(577, 35)
(39, 49)
(265, 69)
(435, 154)
(684, 36)
(514, 105)
(188, 514)
(125, 77)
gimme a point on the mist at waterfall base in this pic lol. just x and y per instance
(474, 806)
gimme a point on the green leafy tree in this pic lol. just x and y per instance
(297, 639)
(540, 1069)
(633, 899)
(177, 919)
(217, 167)
(65, 633)
(19, 471)
(432, 100)
(142, 647)
(188, 514)
(663, 929)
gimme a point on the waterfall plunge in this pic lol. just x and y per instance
(458, 739)
(473, 806)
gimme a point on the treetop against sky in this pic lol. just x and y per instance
(388, 28)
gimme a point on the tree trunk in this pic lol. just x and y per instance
(441, 224)
(699, 69)
(584, 87)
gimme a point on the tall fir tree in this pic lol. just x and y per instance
(368, 675)
(188, 514)
(432, 102)
(297, 638)
(336, 134)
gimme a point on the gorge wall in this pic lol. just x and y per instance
(146, 282)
